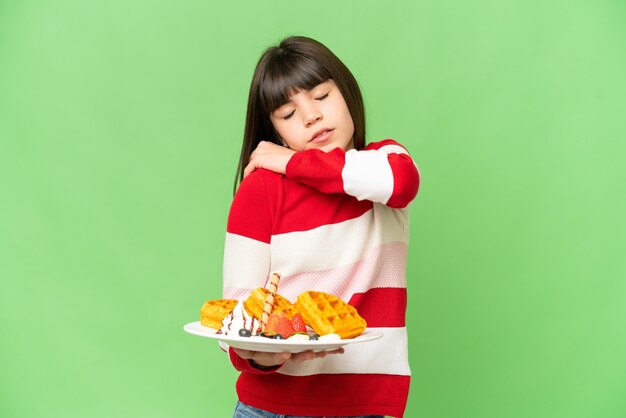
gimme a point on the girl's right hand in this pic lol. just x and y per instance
(269, 156)
(265, 359)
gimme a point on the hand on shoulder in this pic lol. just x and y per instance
(269, 156)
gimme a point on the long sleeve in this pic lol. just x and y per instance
(248, 234)
(243, 365)
(383, 172)
(247, 246)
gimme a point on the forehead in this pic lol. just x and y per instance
(277, 87)
(299, 90)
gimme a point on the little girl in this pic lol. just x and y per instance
(329, 213)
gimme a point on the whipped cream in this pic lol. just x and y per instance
(237, 319)
(298, 337)
(330, 337)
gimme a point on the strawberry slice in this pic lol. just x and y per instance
(272, 324)
(298, 323)
(278, 323)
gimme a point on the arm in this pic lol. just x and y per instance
(383, 172)
(247, 254)
(248, 233)
(247, 261)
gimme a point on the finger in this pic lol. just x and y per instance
(249, 169)
(303, 356)
(322, 354)
(270, 359)
(310, 355)
(258, 149)
(281, 357)
(244, 354)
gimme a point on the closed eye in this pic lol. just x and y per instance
(323, 96)
(289, 115)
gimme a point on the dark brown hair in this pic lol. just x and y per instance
(296, 63)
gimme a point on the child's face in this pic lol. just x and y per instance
(315, 119)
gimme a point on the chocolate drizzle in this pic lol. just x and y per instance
(231, 316)
(249, 323)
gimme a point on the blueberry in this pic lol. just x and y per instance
(244, 332)
(314, 337)
(278, 337)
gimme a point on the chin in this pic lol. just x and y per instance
(327, 147)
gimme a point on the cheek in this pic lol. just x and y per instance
(349, 121)
(349, 118)
(283, 129)
(345, 112)
(290, 133)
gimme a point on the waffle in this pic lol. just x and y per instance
(214, 311)
(327, 314)
(256, 302)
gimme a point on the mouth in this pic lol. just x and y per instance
(322, 135)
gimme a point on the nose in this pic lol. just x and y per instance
(312, 116)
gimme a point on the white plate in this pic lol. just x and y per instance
(277, 346)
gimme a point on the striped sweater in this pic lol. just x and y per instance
(337, 222)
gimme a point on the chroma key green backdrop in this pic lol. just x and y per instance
(120, 126)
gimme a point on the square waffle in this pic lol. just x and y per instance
(214, 311)
(328, 314)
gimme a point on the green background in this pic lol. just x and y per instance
(120, 126)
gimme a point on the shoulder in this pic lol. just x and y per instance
(260, 182)
(255, 205)
(260, 189)
(388, 145)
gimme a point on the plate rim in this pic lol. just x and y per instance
(233, 341)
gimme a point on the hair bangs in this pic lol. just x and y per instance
(287, 75)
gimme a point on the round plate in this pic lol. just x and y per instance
(277, 346)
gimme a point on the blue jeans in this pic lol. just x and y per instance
(246, 411)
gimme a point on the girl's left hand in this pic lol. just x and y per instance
(265, 359)
(269, 156)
